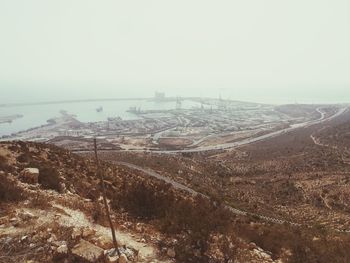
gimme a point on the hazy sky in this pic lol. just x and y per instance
(258, 50)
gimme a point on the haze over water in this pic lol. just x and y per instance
(37, 115)
(264, 51)
(314, 95)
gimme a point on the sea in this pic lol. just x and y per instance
(37, 115)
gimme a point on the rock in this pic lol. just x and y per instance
(122, 259)
(123, 227)
(139, 227)
(87, 251)
(59, 243)
(215, 239)
(52, 238)
(63, 249)
(171, 252)
(24, 238)
(25, 215)
(197, 253)
(286, 252)
(127, 252)
(87, 232)
(103, 242)
(40, 249)
(72, 190)
(261, 254)
(111, 259)
(62, 187)
(30, 175)
(111, 255)
(76, 232)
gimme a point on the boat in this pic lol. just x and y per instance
(114, 119)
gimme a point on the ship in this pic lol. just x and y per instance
(114, 118)
(10, 119)
(99, 109)
(134, 110)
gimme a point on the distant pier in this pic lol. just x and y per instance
(92, 100)
(9, 119)
(67, 101)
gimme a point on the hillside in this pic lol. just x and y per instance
(60, 217)
(56, 215)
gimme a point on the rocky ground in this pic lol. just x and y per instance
(51, 210)
(50, 221)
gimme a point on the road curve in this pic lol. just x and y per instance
(236, 211)
(152, 173)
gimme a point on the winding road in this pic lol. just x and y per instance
(151, 173)
(318, 142)
(176, 185)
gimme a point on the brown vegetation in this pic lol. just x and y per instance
(9, 190)
(200, 229)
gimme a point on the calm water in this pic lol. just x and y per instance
(37, 115)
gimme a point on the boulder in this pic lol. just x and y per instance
(111, 259)
(87, 251)
(24, 238)
(25, 215)
(63, 249)
(62, 187)
(87, 232)
(171, 252)
(30, 175)
(52, 238)
(76, 233)
(103, 242)
(122, 259)
(59, 243)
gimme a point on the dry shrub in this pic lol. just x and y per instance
(193, 220)
(9, 190)
(24, 157)
(4, 166)
(299, 241)
(143, 200)
(40, 201)
(98, 213)
(49, 178)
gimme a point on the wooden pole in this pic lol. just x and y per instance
(100, 175)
